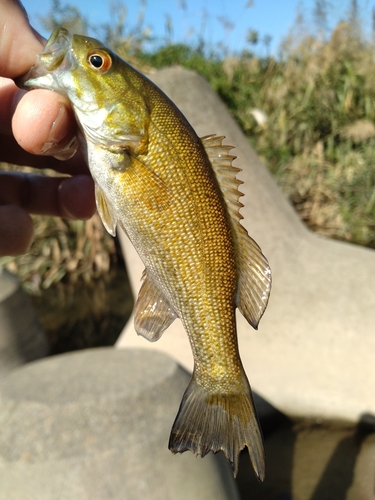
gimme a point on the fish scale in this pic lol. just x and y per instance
(176, 196)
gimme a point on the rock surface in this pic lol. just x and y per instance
(314, 351)
(21, 336)
(94, 425)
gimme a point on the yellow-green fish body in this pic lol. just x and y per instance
(176, 196)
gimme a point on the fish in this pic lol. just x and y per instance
(176, 196)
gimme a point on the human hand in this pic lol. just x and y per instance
(38, 122)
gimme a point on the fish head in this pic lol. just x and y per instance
(105, 92)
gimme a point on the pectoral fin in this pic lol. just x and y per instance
(157, 197)
(253, 271)
(106, 211)
(153, 313)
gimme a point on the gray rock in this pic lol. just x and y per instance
(21, 336)
(314, 351)
(95, 425)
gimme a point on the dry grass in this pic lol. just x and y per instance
(319, 136)
(62, 250)
(76, 278)
(310, 115)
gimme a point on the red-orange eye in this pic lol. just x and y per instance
(99, 60)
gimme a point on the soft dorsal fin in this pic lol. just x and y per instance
(106, 211)
(253, 271)
(254, 278)
(153, 313)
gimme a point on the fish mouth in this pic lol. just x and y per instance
(54, 56)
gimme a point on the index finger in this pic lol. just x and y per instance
(12, 153)
(69, 197)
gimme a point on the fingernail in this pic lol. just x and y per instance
(59, 143)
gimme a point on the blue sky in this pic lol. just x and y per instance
(190, 18)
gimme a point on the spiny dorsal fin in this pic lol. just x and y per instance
(253, 271)
(225, 172)
(153, 313)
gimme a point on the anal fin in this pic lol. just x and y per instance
(153, 313)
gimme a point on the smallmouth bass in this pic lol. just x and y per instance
(176, 196)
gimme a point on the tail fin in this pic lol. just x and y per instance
(226, 422)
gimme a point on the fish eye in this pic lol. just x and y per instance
(99, 60)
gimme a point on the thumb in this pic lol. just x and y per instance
(19, 42)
